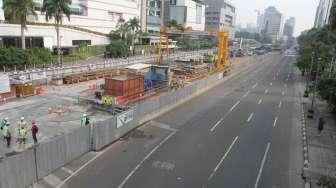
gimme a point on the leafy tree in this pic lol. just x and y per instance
(56, 9)
(17, 11)
(134, 25)
(117, 48)
(326, 182)
(173, 23)
(332, 17)
(38, 56)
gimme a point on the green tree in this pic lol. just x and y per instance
(332, 17)
(134, 25)
(56, 9)
(172, 23)
(17, 11)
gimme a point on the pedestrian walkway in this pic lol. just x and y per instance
(321, 148)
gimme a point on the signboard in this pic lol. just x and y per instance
(4, 83)
(124, 118)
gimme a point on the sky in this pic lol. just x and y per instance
(302, 10)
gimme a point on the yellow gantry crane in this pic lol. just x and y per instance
(223, 51)
(163, 31)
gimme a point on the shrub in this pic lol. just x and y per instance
(117, 49)
(38, 56)
(13, 57)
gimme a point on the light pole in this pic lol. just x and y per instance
(315, 85)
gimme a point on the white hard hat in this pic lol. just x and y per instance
(22, 118)
(84, 115)
(6, 118)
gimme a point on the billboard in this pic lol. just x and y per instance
(4, 83)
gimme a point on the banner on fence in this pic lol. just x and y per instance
(124, 118)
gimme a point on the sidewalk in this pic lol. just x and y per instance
(321, 149)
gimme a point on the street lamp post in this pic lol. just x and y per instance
(315, 85)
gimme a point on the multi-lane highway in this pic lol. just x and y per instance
(243, 133)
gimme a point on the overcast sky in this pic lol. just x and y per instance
(302, 10)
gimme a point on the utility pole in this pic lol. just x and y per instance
(315, 84)
(162, 12)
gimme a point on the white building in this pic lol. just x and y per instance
(90, 21)
(189, 13)
(323, 13)
(272, 23)
(220, 15)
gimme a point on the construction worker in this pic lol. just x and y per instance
(34, 131)
(85, 120)
(23, 123)
(6, 132)
(22, 137)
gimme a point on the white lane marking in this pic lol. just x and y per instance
(262, 165)
(271, 84)
(143, 160)
(266, 91)
(67, 170)
(234, 106)
(280, 104)
(223, 158)
(250, 117)
(275, 121)
(52, 180)
(283, 93)
(245, 95)
(82, 167)
(214, 127)
(260, 101)
(255, 85)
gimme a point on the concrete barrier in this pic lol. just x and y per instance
(23, 169)
(61, 149)
(19, 170)
(106, 132)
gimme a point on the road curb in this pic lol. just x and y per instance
(307, 183)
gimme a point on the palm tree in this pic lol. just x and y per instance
(17, 11)
(56, 9)
(134, 26)
(332, 17)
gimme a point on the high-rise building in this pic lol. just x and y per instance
(189, 13)
(220, 15)
(153, 15)
(322, 13)
(289, 26)
(89, 22)
(260, 22)
(272, 23)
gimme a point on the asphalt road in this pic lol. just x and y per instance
(240, 134)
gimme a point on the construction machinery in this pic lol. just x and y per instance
(163, 33)
(223, 52)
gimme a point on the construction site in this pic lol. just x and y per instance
(117, 97)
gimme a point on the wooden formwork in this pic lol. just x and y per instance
(94, 75)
